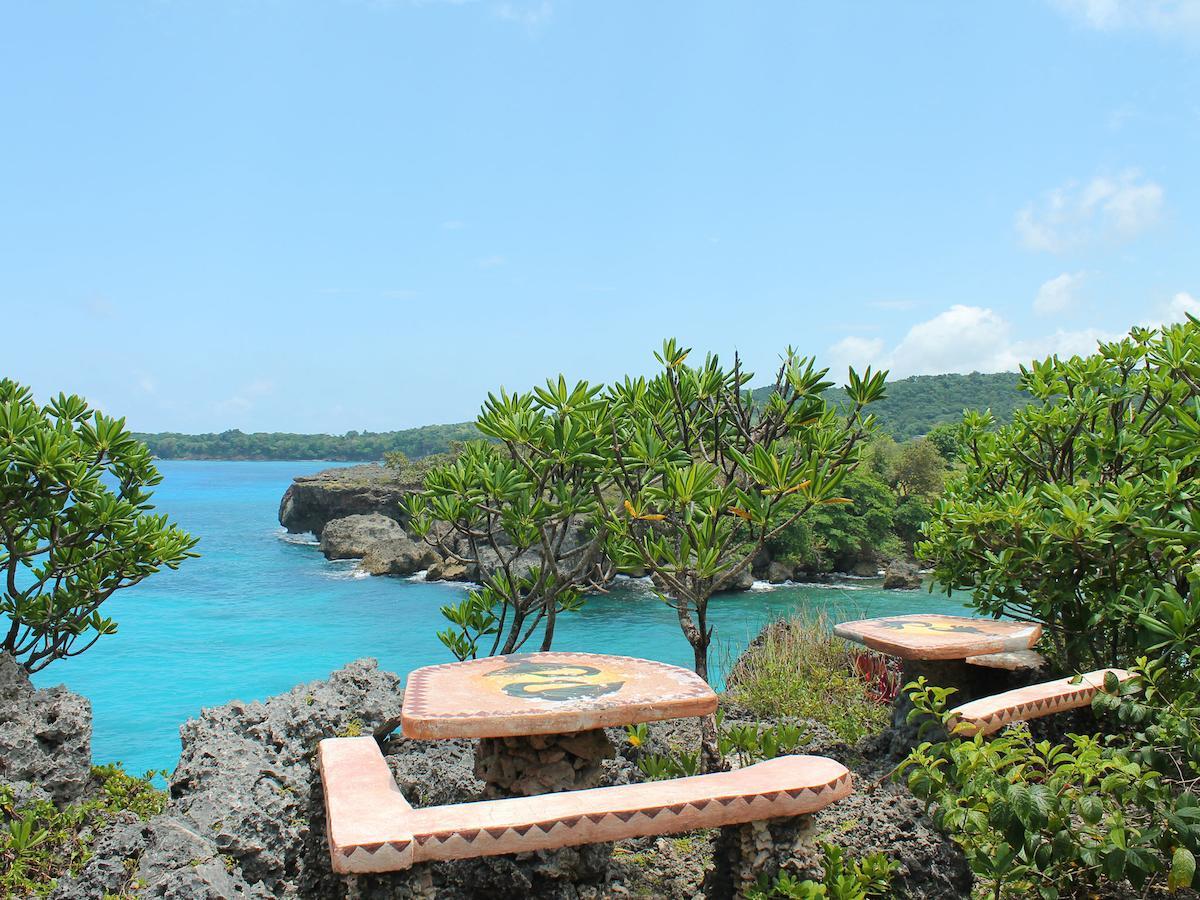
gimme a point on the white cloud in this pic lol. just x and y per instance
(1166, 17)
(1105, 208)
(963, 338)
(452, 224)
(1176, 309)
(960, 339)
(491, 262)
(1058, 294)
(977, 339)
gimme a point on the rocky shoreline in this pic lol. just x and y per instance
(245, 816)
(357, 512)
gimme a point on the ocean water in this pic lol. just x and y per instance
(261, 611)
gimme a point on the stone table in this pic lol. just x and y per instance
(540, 717)
(968, 654)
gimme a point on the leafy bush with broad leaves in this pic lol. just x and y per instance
(1059, 517)
(833, 537)
(1036, 818)
(75, 524)
(1083, 514)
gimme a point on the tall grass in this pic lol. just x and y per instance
(798, 668)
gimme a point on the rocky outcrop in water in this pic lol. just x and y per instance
(902, 576)
(353, 537)
(400, 555)
(312, 501)
(45, 738)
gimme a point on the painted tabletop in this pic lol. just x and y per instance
(939, 637)
(547, 693)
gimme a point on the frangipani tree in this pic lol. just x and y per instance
(525, 511)
(707, 477)
(75, 524)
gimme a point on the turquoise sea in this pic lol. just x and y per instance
(261, 611)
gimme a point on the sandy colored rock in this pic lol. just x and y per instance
(1012, 661)
(353, 536)
(399, 555)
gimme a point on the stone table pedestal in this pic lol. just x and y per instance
(542, 763)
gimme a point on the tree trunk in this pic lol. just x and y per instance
(548, 634)
(711, 759)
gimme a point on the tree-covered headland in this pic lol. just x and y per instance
(353, 446)
(913, 407)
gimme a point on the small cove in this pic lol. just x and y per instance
(262, 611)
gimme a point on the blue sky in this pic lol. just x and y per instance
(322, 216)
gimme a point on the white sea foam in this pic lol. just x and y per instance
(304, 539)
(343, 569)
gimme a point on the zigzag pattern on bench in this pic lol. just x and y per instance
(372, 828)
(990, 714)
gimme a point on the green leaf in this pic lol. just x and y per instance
(1183, 869)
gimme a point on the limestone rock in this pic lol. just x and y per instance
(901, 576)
(865, 568)
(246, 816)
(353, 537)
(743, 582)
(312, 501)
(398, 556)
(45, 737)
(779, 572)
(446, 570)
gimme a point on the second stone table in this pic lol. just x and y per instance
(540, 717)
(974, 656)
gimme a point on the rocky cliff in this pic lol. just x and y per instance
(45, 738)
(312, 501)
(357, 513)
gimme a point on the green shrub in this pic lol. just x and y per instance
(1053, 820)
(1059, 517)
(857, 879)
(800, 670)
(75, 524)
(834, 536)
(40, 843)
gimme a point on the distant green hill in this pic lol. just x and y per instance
(352, 446)
(912, 407)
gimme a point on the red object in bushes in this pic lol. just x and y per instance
(881, 674)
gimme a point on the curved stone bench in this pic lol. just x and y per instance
(372, 828)
(990, 714)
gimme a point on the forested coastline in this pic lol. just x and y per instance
(913, 407)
